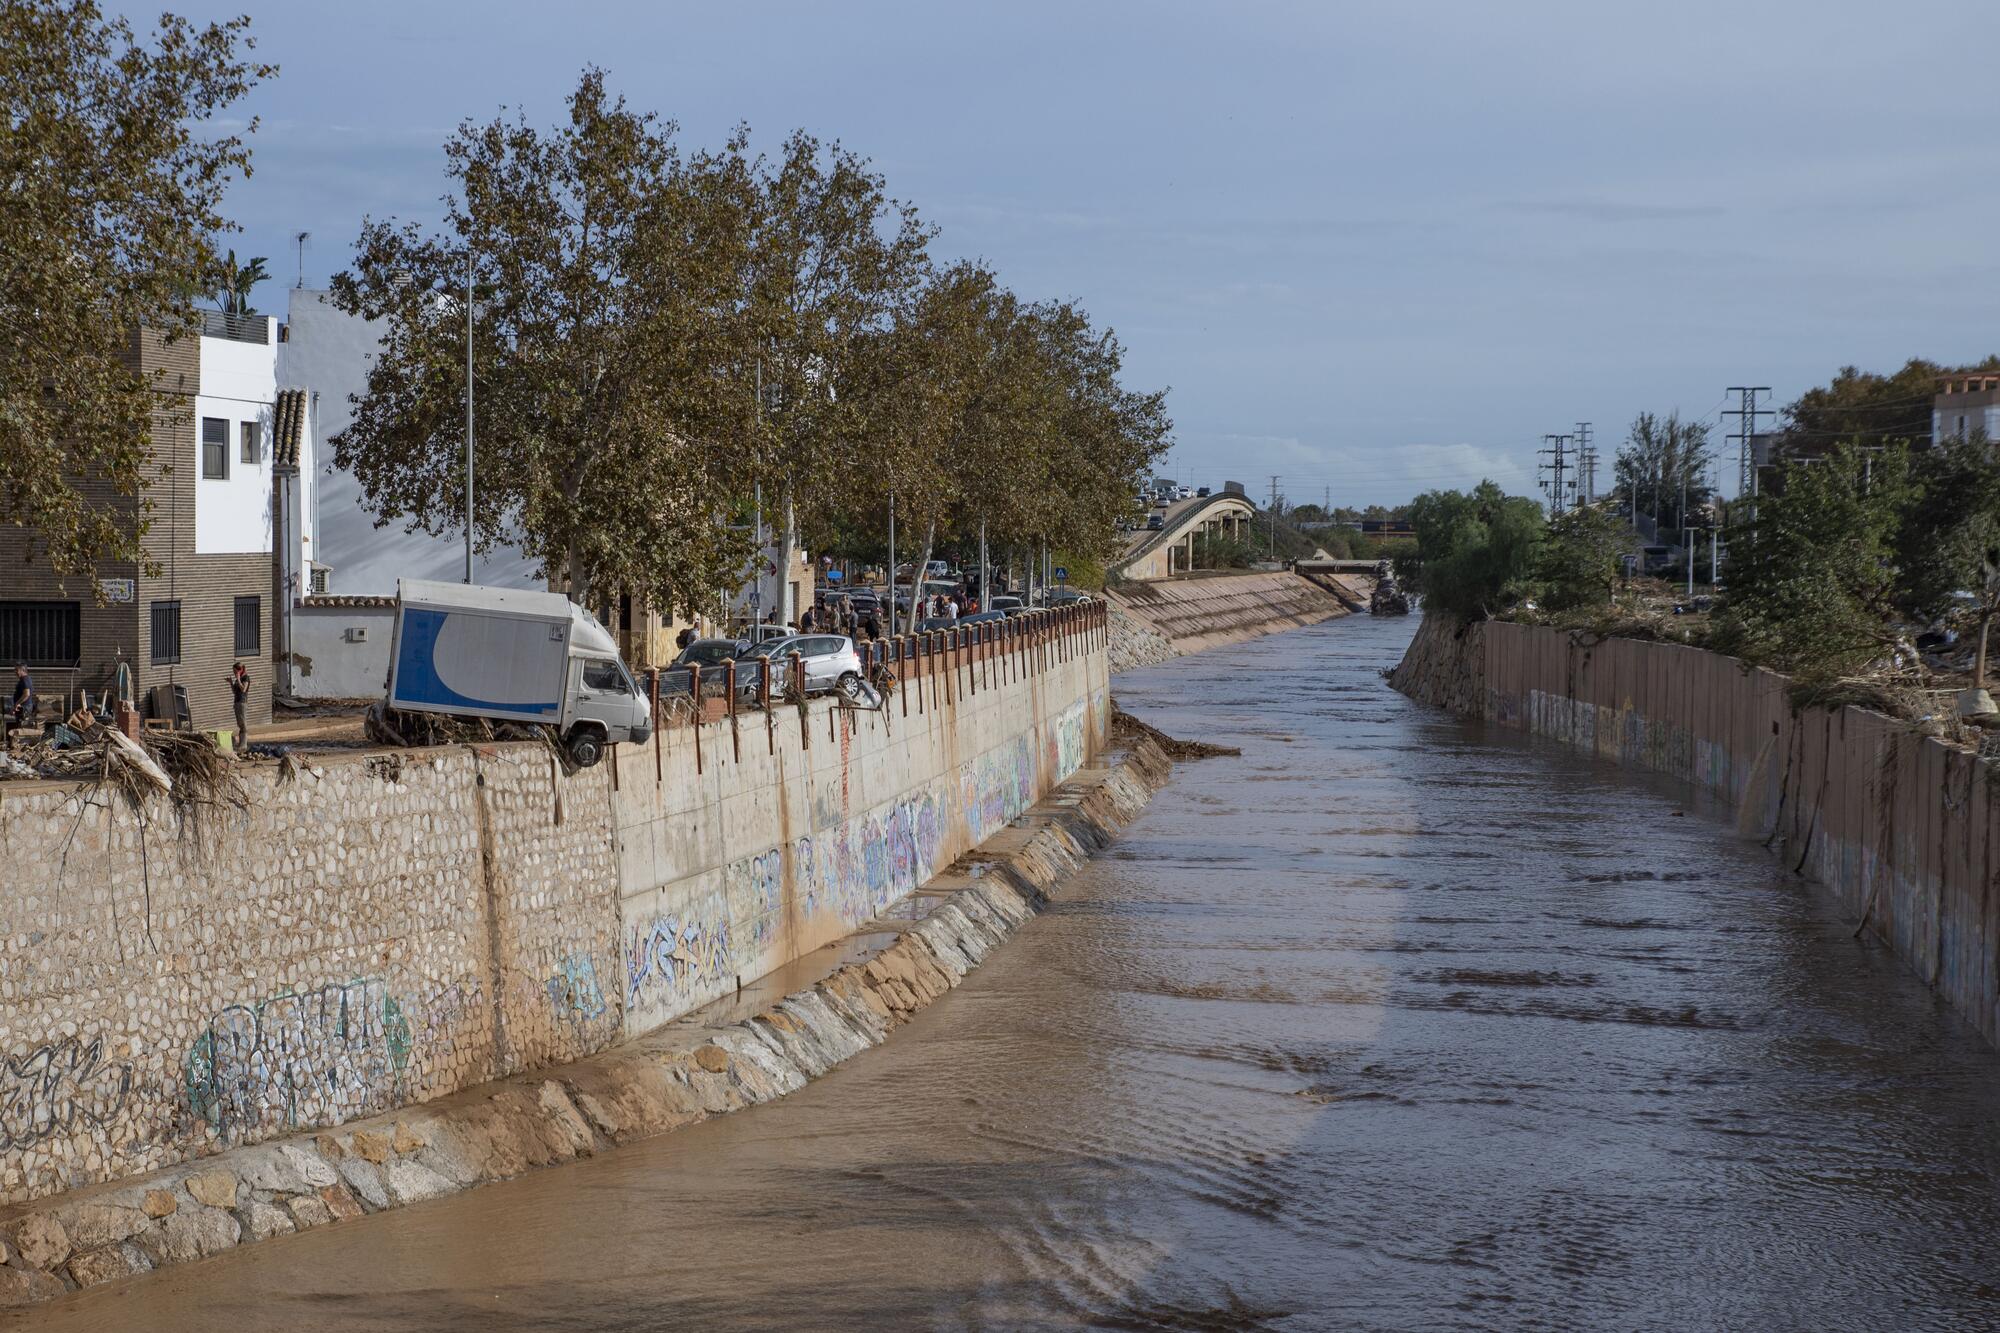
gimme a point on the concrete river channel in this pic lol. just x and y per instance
(1391, 1022)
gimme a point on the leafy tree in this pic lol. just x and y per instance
(1014, 415)
(1864, 409)
(605, 274)
(1474, 549)
(1948, 542)
(1215, 551)
(1663, 466)
(832, 260)
(1578, 564)
(114, 186)
(1812, 584)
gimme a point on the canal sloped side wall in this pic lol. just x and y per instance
(1166, 618)
(377, 929)
(1902, 829)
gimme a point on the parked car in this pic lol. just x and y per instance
(1068, 597)
(930, 623)
(1161, 503)
(864, 601)
(710, 654)
(830, 660)
(1007, 605)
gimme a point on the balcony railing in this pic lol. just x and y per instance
(236, 328)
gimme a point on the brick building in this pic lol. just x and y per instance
(211, 486)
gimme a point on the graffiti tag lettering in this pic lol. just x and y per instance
(299, 1059)
(49, 1090)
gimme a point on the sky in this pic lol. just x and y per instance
(1371, 248)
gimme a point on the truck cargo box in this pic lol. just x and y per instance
(486, 652)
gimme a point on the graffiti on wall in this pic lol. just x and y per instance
(54, 1088)
(573, 990)
(757, 891)
(675, 957)
(446, 1008)
(299, 1059)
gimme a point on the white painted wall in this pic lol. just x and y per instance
(341, 669)
(239, 383)
(329, 353)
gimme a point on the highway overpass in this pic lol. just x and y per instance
(1170, 550)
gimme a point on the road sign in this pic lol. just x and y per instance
(1062, 574)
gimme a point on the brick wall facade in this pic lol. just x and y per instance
(205, 585)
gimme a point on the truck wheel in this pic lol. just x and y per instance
(586, 746)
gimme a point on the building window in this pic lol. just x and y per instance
(249, 626)
(253, 443)
(40, 633)
(166, 633)
(214, 449)
(320, 581)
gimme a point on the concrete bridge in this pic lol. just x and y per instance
(1159, 554)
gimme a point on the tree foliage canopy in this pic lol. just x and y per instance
(605, 314)
(1663, 467)
(659, 335)
(1577, 566)
(1474, 549)
(1812, 586)
(1947, 547)
(114, 191)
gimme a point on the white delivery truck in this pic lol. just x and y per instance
(513, 655)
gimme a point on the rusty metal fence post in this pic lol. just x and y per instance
(764, 697)
(799, 683)
(729, 684)
(694, 687)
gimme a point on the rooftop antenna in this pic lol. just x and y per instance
(300, 240)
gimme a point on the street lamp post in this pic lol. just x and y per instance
(468, 416)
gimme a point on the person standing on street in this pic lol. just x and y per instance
(22, 711)
(239, 689)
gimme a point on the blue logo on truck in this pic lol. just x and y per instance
(417, 677)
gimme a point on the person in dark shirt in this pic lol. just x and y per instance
(239, 689)
(23, 710)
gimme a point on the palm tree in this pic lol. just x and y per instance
(231, 291)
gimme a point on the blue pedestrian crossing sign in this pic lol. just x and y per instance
(1062, 574)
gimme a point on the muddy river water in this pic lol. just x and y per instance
(1392, 1022)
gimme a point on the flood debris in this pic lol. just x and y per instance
(1127, 728)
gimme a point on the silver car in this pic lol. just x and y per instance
(831, 663)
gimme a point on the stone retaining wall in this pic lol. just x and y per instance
(380, 929)
(680, 1074)
(1903, 830)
